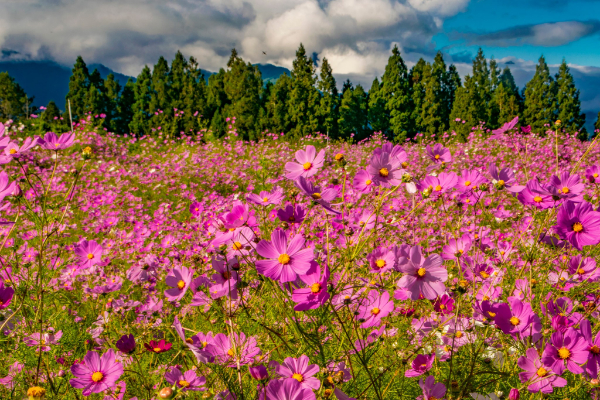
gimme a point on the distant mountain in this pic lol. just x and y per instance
(47, 80)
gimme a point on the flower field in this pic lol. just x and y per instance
(158, 268)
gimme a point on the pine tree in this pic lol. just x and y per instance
(417, 87)
(111, 92)
(540, 105)
(465, 109)
(216, 101)
(347, 85)
(160, 90)
(141, 108)
(432, 117)
(506, 104)
(94, 100)
(569, 105)
(277, 106)
(79, 83)
(378, 116)
(242, 85)
(125, 107)
(448, 80)
(14, 102)
(304, 97)
(481, 93)
(353, 114)
(49, 120)
(329, 107)
(396, 92)
(194, 90)
(450, 83)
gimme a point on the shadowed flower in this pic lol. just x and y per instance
(126, 344)
(292, 214)
(179, 280)
(188, 380)
(439, 154)
(6, 295)
(287, 389)
(385, 171)
(568, 347)
(322, 197)
(52, 142)
(315, 295)
(431, 390)
(155, 346)
(421, 364)
(241, 349)
(539, 376)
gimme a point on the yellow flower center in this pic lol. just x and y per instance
(283, 259)
(90, 256)
(375, 311)
(265, 199)
(595, 349)
(537, 199)
(183, 383)
(339, 156)
(458, 334)
(565, 190)
(306, 166)
(514, 321)
(316, 196)
(298, 377)
(486, 298)
(437, 156)
(595, 175)
(404, 164)
(204, 344)
(484, 274)
(491, 314)
(368, 182)
(36, 392)
(564, 353)
(384, 172)
(500, 182)
(438, 188)
(542, 372)
(12, 151)
(442, 307)
(97, 376)
(421, 272)
(380, 263)
(180, 285)
(467, 183)
(157, 349)
(230, 353)
(237, 246)
(580, 271)
(315, 287)
(577, 227)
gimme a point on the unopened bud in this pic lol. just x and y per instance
(514, 394)
(165, 393)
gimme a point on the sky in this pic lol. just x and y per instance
(356, 36)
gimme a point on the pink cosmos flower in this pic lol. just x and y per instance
(96, 374)
(9, 381)
(535, 195)
(431, 390)
(13, 150)
(421, 364)
(53, 142)
(287, 389)
(579, 224)
(584, 269)
(504, 179)
(568, 347)
(7, 188)
(438, 184)
(567, 186)
(374, 308)
(240, 243)
(539, 376)
(381, 260)
(240, 215)
(424, 276)
(315, 295)
(324, 198)
(188, 380)
(292, 214)
(592, 173)
(284, 261)
(456, 247)
(43, 342)
(89, 253)
(395, 151)
(593, 348)
(225, 278)
(228, 352)
(439, 154)
(308, 163)
(179, 280)
(444, 304)
(196, 209)
(469, 180)
(518, 319)
(6, 295)
(385, 170)
(363, 182)
(265, 198)
(298, 369)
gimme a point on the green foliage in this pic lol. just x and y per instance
(304, 97)
(14, 103)
(540, 105)
(569, 105)
(378, 115)
(329, 105)
(396, 92)
(141, 106)
(353, 114)
(79, 85)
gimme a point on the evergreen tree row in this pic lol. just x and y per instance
(428, 99)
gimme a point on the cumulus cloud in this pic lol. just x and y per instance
(355, 34)
(547, 34)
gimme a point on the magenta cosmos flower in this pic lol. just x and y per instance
(7, 188)
(315, 295)
(579, 224)
(438, 184)
(267, 198)
(155, 346)
(539, 376)
(6, 295)
(381, 260)
(593, 347)
(285, 261)
(287, 389)
(363, 182)
(188, 380)
(322, 197)
(374, 308)
(456, 247)
(439, 154)
(424, 276)
(386, 171)
(308, 163)
(292, 214)
(517, 319)
(53, 142)
(585, 269)
(469, 180)
(592, 173)
(504, 179)
(96, 374)
(535, 195)
(179, 280)
(44, 341)
(568, 348)
(298, 369)
(431, 390)
(228, 352)
(567, 186)
(421, 364)
(225, 278)
(89, 253)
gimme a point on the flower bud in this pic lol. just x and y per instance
(36, 393)
(259, 372)
(514, 394)
(165, 393)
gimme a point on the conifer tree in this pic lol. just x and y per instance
(160, 90)
(597, 125)
(506, 104)
(216, 100)
(94, 100)
(194, 89)
(540, 99)
(304, 97)
(396, 92)
(277, 106)
(353, 114)
(125, 107)
(465, 109)
(378, 116)
(447, 80)
(79, 83)
(329, 107)
(417, 86)
(49, 120)
(432, 111)
(141, 108)
(111, 92)
(14, 103)
(569, 105)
